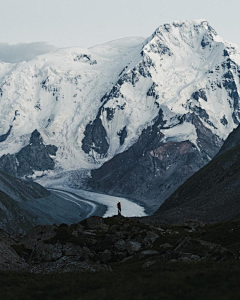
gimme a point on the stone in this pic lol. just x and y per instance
(133, 247)
(147, 253)
(120, 245)
(105, 256)
(189, 257)
(95, 222)
(166, 246)
(151, 237)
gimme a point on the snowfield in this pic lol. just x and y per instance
(183, 67)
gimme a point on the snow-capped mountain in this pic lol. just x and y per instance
(179, 88)
(58, 94)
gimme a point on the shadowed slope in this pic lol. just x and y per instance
(211, 194)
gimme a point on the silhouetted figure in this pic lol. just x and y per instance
(119, 208)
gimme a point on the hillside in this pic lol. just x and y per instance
(25, 204)
(211, 194)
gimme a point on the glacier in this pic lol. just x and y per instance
(94, 104)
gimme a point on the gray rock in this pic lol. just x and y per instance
(95, 222)
(78, 230)
(3, 137)
(150, 238)
(73, 250)
(187, 257)
(121, 245)
(133, 247)
(147, 253)
(166, 246)
(106, 256)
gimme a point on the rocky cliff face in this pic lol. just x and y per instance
(151, 170)
(211, 194)
(32, 158)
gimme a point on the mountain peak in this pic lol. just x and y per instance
(94, 104)
(179, 33)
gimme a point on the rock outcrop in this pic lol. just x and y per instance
(100, 244)
(34, 157)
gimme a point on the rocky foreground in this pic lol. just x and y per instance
(98, 244)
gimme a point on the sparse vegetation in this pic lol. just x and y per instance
(164, 280)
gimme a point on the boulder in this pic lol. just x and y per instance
(121, 245)
(133, 247)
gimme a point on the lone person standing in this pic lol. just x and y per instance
(119, 208)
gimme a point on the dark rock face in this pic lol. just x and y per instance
(210, 195)
(95, 138)
(85, 59)
(200, 94)
(33, 157)
(229, 84)
(5, 136)
(151, 170)
(208, 143)
(224, 120)
(122, 135)
(232, 141)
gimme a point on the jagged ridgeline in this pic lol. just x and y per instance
(148, 112)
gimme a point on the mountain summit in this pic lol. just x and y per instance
(151, 112)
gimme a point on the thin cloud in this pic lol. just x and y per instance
(23, 52)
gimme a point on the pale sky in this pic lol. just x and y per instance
(84, 23)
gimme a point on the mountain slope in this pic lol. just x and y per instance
(101, 103)
(57, 94)
(211, 194)
(14, 192)
(25, 204)
(194, 83)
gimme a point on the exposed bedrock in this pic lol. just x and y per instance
(151, 169)
(36, 156)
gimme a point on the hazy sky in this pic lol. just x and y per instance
(85, 23)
